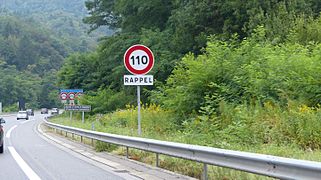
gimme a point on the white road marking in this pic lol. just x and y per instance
(23, 165)
(10, 130)
(26, 121)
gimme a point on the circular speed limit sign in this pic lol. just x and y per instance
(63, 96)
(71, 96)
(139, 59)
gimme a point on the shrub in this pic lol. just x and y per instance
(254, 71)
(106, 100)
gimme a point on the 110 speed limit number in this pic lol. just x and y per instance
(139, 59)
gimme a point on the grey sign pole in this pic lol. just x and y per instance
(138, 111)
(70, 116)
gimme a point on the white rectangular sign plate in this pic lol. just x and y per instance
(138, 80)
(85, 108)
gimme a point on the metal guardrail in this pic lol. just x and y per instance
(7, 114)
(267, 165)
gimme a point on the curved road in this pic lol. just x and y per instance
(29, 156)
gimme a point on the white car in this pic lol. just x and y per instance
(54, 111)
(22, 115)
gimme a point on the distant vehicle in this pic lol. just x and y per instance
(54, 111)
(30, 112)
(1, 135)
(22, 115)
(44, 111)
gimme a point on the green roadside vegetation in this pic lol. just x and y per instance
(266, 130)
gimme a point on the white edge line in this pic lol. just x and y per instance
(23, 165)
(26, 121)
(10, 130)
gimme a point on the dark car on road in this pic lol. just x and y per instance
(30, 112)
(44, 111)
(1, 135)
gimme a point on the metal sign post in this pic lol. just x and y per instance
(138, 60)
(78, 108)
(138, 111)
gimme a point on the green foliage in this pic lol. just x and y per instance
(29, 59)
(278, 17)
(155, 121)
(106, 100)
(10, 108)
(254, 71)
(252, 126)
(17, 85)
(110, 64)
(79, 71)
(160, 43)
(102, 13)
(102, 146)
(306, 31)
(28, 48)
(48, 96)
(191, 21)
(130, 16)
(62, 18)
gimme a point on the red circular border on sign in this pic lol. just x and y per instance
(71, 94)
(135, 48)
(77, 95)
(63, 98)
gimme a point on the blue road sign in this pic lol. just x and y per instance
(71, 90)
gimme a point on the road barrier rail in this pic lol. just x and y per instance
(267, 165)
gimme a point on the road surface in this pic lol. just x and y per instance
(28, 155)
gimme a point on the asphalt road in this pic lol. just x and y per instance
(29, 156)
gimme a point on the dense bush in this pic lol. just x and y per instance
(106, 100)
(254, 71)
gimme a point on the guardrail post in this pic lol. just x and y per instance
(127, 152)
(81, 139)
(157, 160)
(205, 177)
(92, 128)
(66, 134)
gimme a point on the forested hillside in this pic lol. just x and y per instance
(63, 18)
(27, 47)
(35, 37)
(29, 59)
